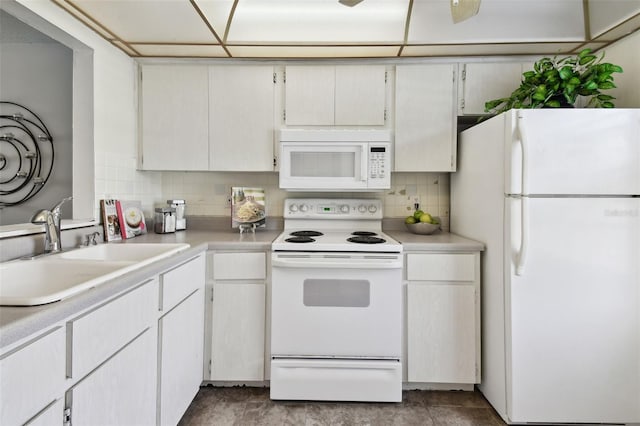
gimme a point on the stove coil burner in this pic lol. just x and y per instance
(302, 239)
(365, 239)
(306, 234)
(364, 233)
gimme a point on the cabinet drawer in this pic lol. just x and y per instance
(239, 266)
(98, 334)
(32, 378)
(181, 281)
(440, 267)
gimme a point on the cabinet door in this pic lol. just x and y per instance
(174, 105)
(181, 351)
(238, 327)
(441, 333)
(425, 136)
(122, 390)
(241, 122)
(32, 377)
(482, 82)
(360, 95)
(309, 95)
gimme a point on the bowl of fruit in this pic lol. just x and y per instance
(422, 223)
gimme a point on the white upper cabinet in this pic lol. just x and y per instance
(174, 110)
(309, 95)
(241, 117)
(482, 82)
(351, 95)
(425, 116)
(360, 95)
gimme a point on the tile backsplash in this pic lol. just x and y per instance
(207, 193)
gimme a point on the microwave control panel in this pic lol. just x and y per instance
(379, 165)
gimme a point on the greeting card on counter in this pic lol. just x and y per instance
(131, 218)
(110, 221)
(247, 207)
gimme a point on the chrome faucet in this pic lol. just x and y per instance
(51, 221)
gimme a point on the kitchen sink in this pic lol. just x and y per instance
(52, 278)
(123, 252)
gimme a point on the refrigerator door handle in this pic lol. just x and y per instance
(524, 235)
(524, 189)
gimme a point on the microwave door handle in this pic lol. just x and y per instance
(364, 157)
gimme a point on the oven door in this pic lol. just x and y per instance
(323, 166)
(336, 305)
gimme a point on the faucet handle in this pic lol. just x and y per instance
(57, 206)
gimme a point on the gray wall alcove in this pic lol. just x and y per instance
(51, 73)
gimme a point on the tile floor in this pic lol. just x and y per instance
(251, 406)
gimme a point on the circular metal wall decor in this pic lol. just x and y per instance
(26, 154)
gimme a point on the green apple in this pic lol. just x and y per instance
(418, 214)
(410, 220)
(426, 218)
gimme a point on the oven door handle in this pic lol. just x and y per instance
(372, 262)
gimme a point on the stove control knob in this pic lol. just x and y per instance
(293, 208)
(344, 208)
(304, 208)
(362, 208)
(373, 208)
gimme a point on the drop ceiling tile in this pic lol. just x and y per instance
(217, 13)
(318, 21)
(168, 21)
(313, 51)
(491, 49)
(498, 21)
(180, 50)
(127, 49)
(606, 14)
(84, 19)
(621, 30)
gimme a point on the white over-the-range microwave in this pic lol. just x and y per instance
(335, 160)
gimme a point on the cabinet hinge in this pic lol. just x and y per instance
(210, 365)
(66, 417)
(274, 78)
(385, 77)
(464, 72)
(212, 294)
(284, 115)
(275, 162)
(385, 115)
(462, 103)
(284, 77)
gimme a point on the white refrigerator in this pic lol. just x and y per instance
(555, 196)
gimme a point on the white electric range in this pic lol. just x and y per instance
(336, 303)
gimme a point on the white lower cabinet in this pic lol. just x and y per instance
(32, 378)
(52, 415)
(122, 390)
(443, 317)
(180, 339)
(237, 320)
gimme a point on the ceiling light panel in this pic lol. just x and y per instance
(180, 50)
(498, 21)
(317, 22)
(313, 51)
(606, 14)
(168, 21)
(217, 13)
(491, 49)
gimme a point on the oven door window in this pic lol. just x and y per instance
(336, 293)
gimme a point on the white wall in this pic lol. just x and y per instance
(626, 54)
